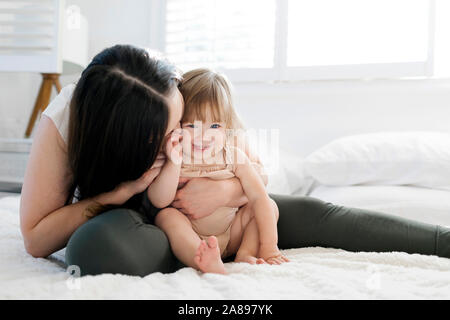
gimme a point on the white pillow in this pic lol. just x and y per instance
(287, 176)
(389, 158)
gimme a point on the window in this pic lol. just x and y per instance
(282, 40)
(358, 38)
(225, 34)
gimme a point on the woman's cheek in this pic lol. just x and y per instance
(164, 143)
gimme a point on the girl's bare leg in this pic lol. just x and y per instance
(245, 236)
(187, 245)
(248, 250)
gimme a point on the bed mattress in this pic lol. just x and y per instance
(422, 204)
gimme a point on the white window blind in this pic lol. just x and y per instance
(228, 34)
(30, 34)
(302, 39)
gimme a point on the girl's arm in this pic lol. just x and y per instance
(162, 190)
(241, 142)
(258, 198)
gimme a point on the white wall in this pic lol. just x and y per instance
(308, 114)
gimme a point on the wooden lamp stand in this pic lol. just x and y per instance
(43, 98)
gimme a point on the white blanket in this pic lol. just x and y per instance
(314, 273)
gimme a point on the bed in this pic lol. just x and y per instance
(314, 272)
(422, 204)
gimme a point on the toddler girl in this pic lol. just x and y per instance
(208, 145)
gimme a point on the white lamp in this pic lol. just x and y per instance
(74, 41)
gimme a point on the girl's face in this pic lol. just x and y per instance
(203, 140)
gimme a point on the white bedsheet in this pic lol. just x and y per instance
(313, 273)
(422, 204)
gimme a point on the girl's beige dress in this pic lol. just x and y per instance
(219, 222)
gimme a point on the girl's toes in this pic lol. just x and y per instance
(273, 261)
(199, 250)
(202, 246)
(212, 242)
(260, 261)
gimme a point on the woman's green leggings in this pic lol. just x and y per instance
(123, 240)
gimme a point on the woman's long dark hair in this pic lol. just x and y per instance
(118, 118)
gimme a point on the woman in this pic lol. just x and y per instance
(96, 151)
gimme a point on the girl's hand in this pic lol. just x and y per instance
(127, 189)
(271, 254)
(173, 148)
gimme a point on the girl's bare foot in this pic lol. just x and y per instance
(271, 254)
(207, 257)
(277, 260)
(242, 257)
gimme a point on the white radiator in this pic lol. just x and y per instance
(13, 160)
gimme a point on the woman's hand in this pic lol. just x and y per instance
(127, 189)
(199, 197)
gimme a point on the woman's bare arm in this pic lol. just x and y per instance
(45, 189)
(46, 224)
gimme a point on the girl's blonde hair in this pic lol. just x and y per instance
(202, 89)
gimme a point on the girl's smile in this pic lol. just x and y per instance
(201, 147)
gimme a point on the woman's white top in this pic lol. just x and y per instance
(58, 110)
